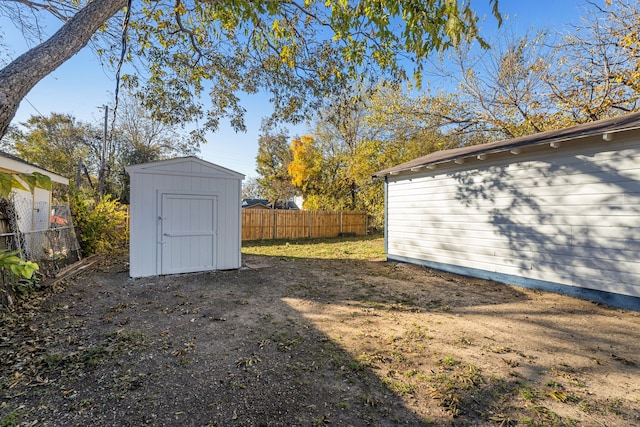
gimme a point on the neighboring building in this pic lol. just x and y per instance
(266, 204)
(558, 210)
(185, 217)
(33, 210)
(289, 206)
(36, 206)
(255, 204)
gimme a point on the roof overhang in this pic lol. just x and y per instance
(15, 165)
(606, 129)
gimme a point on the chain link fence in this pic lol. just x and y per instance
(41, 233)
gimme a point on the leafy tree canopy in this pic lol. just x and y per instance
(363, 132)
(62, 144)
(272, 162)
(525, 84)
(299, 51)
(55, 142)
(251, 189)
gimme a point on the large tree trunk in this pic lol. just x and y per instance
(21, 75)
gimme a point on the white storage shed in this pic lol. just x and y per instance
(185, 217)
(557, 210)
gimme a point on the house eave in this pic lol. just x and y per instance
(605, 129)
(11, 165)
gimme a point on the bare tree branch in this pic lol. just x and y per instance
(22, 74)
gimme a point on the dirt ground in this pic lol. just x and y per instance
(304, 342)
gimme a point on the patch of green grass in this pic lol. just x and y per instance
(548, 415)
(577, 383)
(399, 387)
(94, 354)
(463, 341)
(321, 421)
(445, 381)
(344, 405)
(365, 360)
(423, 377)
(369, 400)
(399, 356)
(53, 360)
(375, 305)
(360, 248)
(12, 418)
(526, 421)
(528, 392)
(410, 373)
(468, 377)
(585, 407)
(124, 340)
(357, 366)
(448, 361)
(614, 406)
(285, 341)
(417, 333)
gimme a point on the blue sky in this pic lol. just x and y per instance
(81, 86)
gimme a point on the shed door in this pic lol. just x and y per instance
(188, 233)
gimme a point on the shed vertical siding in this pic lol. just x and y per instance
(566, 216)
(182, 176)
(142, 233)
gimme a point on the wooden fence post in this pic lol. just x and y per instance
(275, 224)
(366, 224)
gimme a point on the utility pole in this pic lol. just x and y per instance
(103, 156)
(79, 173)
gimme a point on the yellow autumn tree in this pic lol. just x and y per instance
(306, 169)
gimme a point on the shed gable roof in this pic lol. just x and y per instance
(605, 127)
(185, 166)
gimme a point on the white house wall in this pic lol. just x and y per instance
(566, 216)
(33, 212)
(146, 191)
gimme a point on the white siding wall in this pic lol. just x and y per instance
(34, 212)
(182, 178)
(33, 209)
(568, 216)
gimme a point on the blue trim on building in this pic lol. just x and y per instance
(602, 297)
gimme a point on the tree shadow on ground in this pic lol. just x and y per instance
(305, 342)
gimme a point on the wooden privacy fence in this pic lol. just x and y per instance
(285, 224)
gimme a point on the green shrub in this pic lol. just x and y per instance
(101, 224)
(11, 261)
(17, 277)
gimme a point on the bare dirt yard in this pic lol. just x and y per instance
(314, 333)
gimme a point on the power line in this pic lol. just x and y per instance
(34, 107)
(123, 52)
